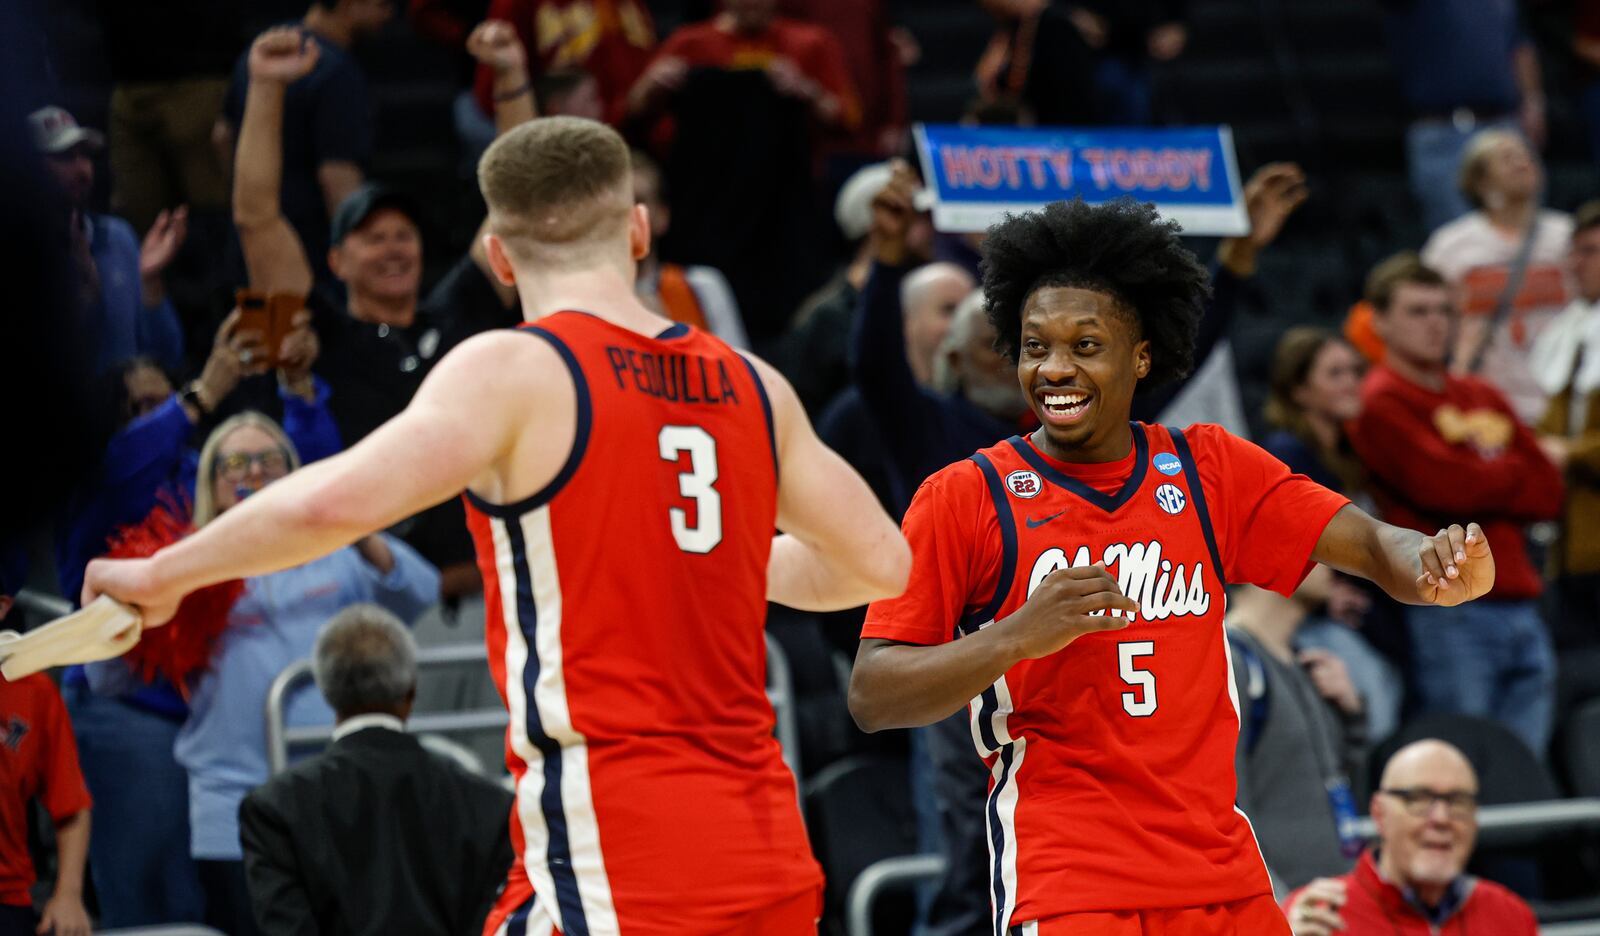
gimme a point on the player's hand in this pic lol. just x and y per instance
(494, 43)
(1456, 566)
(1068, 604)
(64, 916)
(283, 54)
(133, 582)
(1315, 911)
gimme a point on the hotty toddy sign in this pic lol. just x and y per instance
(975, 175)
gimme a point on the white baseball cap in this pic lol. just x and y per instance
(852, 209)
(55, 131)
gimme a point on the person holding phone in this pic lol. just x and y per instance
(143, 834)
(382, 340)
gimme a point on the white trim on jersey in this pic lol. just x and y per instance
(538, 923)
(1004, 796)
(550, 703)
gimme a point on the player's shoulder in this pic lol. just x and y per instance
(955, 487)
(506, 361)
(1206, 440)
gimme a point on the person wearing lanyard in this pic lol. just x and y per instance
(1301, 735)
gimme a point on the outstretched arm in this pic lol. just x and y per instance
(273, 254)
(1447, 568)
(838, 548)
(334, 502)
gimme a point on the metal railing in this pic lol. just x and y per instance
(1506, 826)
(281, 738)
(1517, 824)
(880, 876)
(46, 606)
(170, 929)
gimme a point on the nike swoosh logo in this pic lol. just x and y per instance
(1035, 524)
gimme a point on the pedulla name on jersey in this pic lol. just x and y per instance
(1163, 588)
(679, 378)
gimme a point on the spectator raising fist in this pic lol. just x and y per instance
(494, 43)
(282, 54)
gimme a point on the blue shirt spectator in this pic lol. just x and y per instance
(151, 455)
(128, 327)
(119, 281)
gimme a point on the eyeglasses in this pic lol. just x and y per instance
(1419, 802)
(236, 466)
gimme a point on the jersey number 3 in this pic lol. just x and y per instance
(695, 484)
(1142, 702)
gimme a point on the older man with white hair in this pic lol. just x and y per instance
(376, 835)
(1414, 880)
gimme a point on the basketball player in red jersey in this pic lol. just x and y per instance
(624, 478)
(1083, 570)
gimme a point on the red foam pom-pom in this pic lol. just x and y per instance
(181, 647)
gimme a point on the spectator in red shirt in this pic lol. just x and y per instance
(1426, 810)
(39, 759)
(610, 39)
(803, 61)
(1441, 448)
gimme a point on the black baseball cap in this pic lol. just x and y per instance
(360, 205)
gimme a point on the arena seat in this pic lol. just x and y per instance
(1581, 749)
(858, 811)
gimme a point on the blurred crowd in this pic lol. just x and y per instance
(247, 299)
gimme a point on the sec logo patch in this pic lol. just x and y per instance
(1023, 483)
(1171, 499)
(1167, 463)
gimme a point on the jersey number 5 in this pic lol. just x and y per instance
(1139, 704)
(695, 484)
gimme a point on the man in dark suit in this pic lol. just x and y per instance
(376, 835)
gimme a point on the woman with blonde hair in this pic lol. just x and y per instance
(223, 744)
(1505, 260)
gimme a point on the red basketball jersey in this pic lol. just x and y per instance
(1111, 762)
(626, 605)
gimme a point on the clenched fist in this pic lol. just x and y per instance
(282, 54)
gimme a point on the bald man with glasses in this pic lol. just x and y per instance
(1413, 880)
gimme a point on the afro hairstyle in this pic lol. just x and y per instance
(1122, 248)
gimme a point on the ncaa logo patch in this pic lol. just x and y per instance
(1167, 463)
(1170, 499)
(1023, 484)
